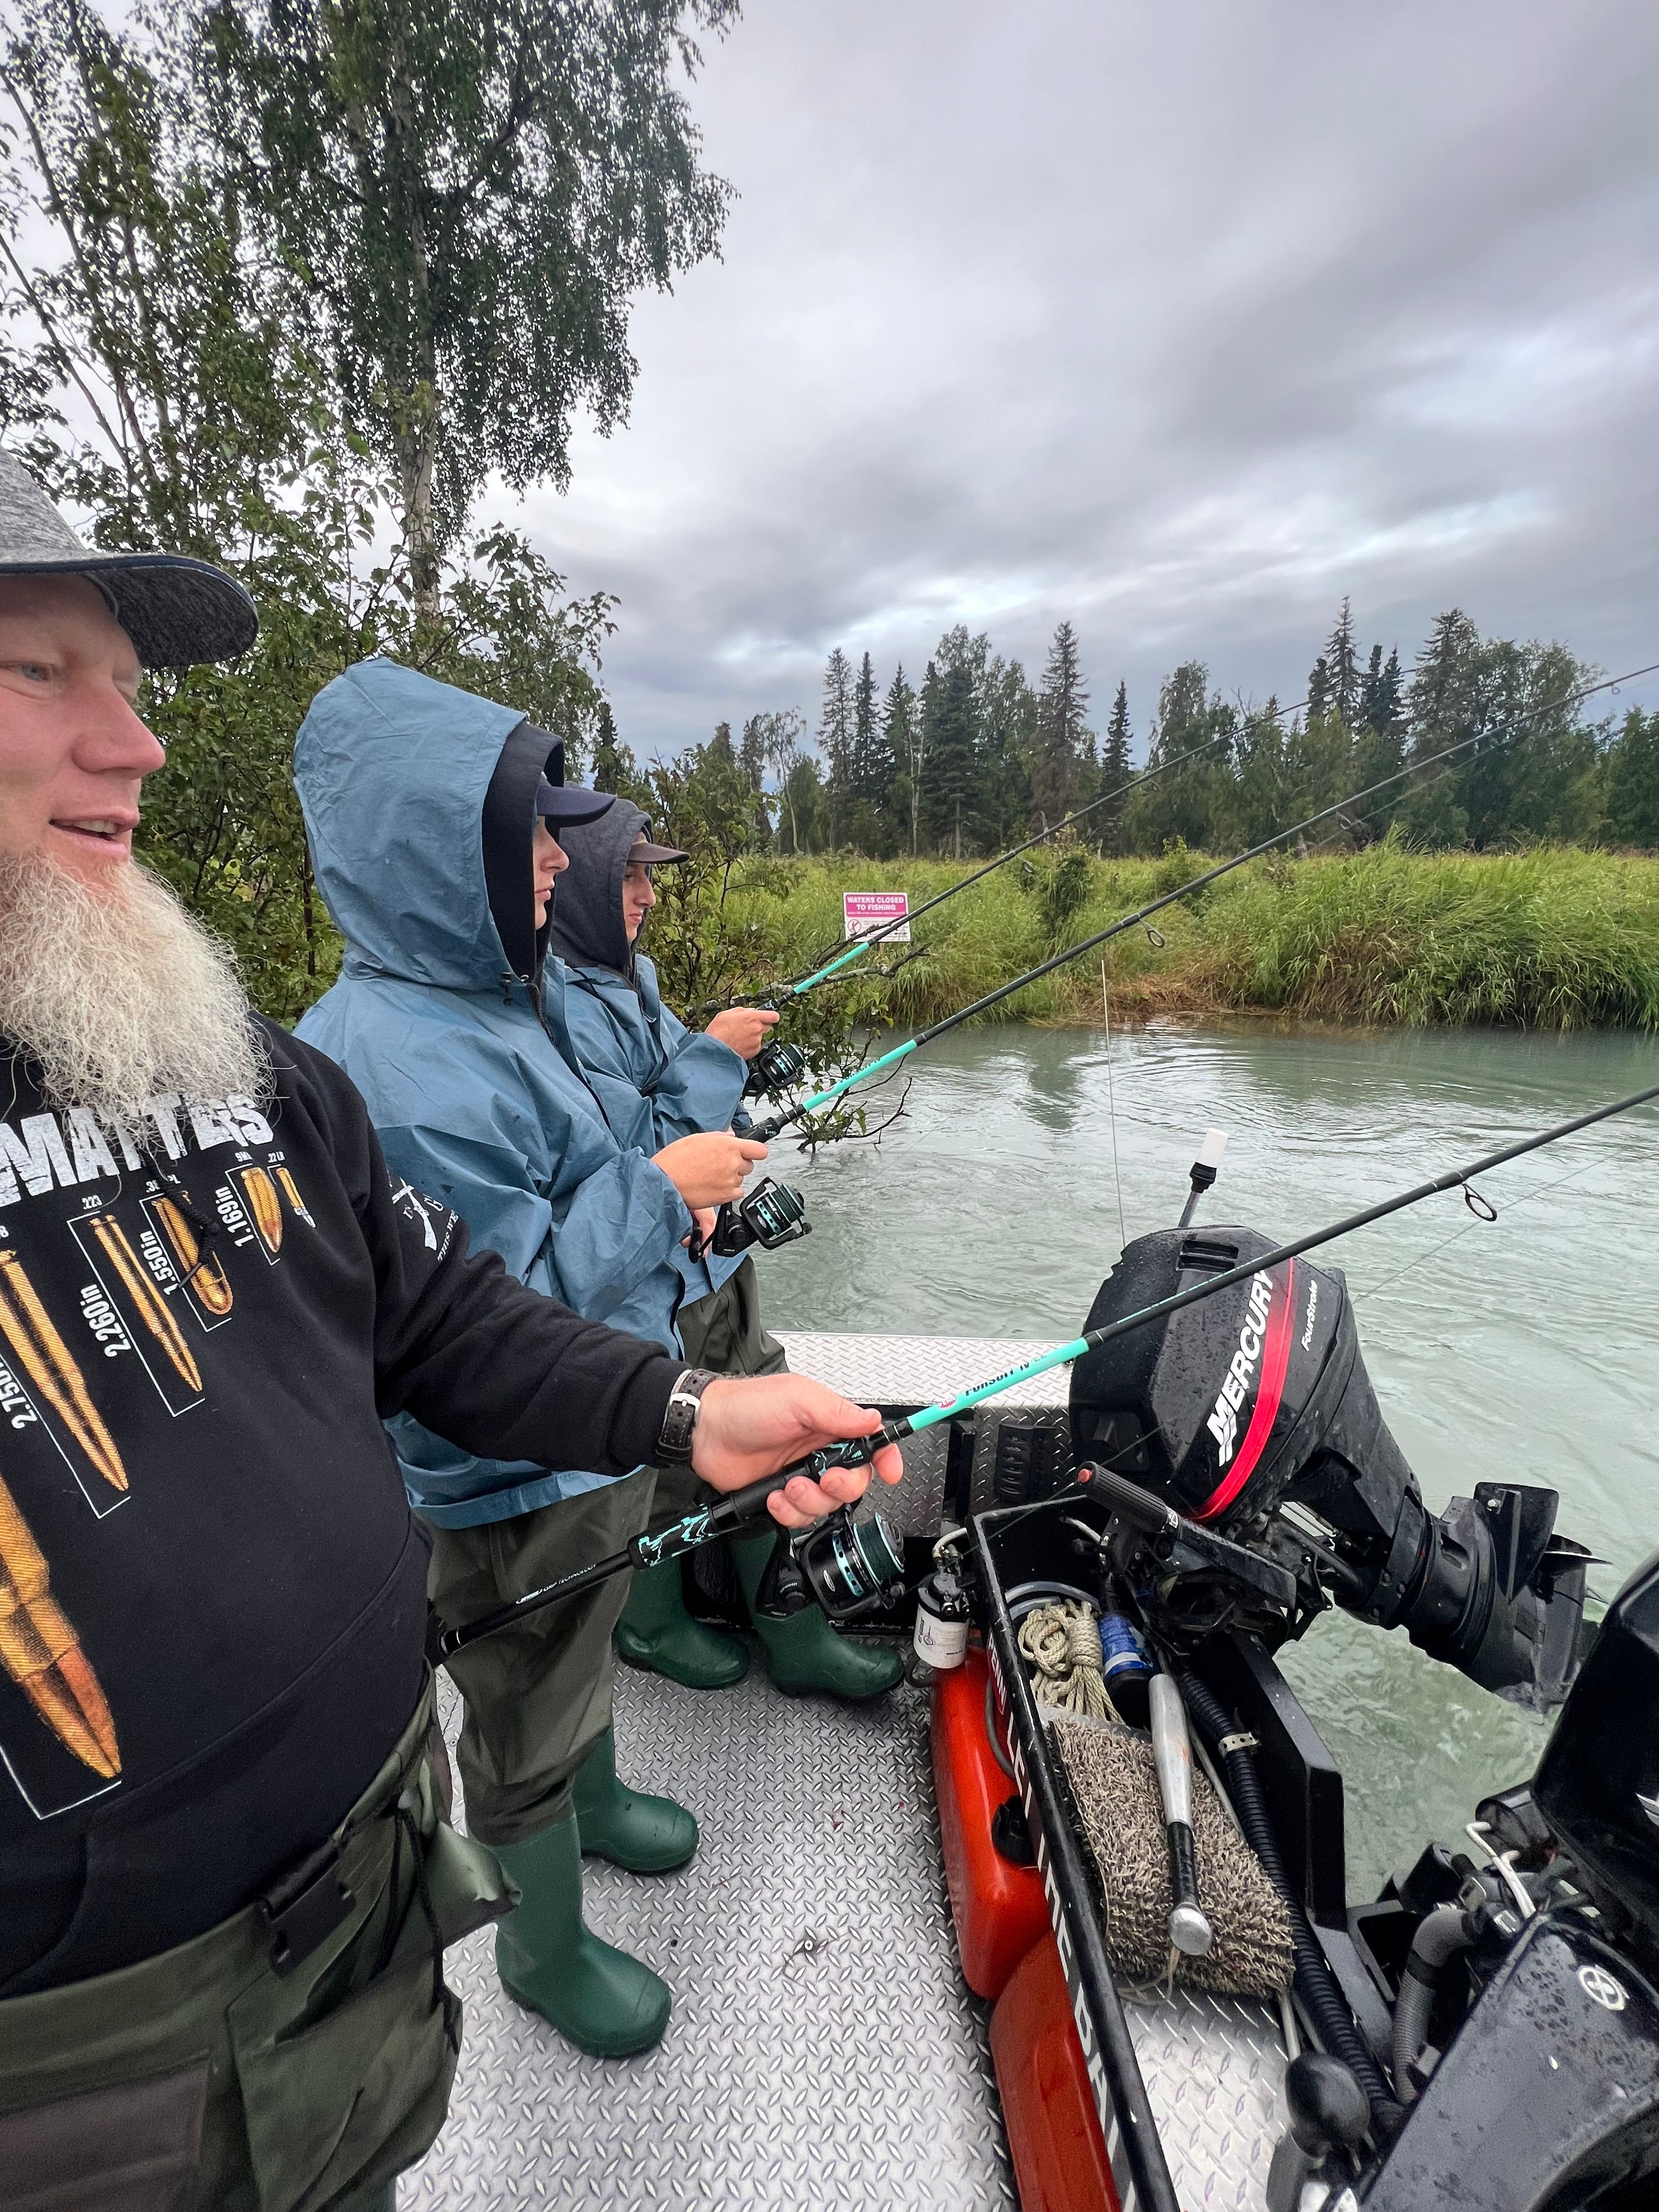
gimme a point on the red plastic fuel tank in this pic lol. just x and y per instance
(998, 1907)
(1053, 2130)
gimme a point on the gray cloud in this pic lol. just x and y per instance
(1181, 322)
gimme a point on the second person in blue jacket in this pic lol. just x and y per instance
(663, 1083)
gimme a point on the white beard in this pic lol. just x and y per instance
(119, 995)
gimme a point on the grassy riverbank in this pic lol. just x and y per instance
(1554, 938)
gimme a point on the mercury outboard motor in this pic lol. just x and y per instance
(1252, 1412)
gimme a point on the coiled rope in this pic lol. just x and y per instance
(1062, 1643)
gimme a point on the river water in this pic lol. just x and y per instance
(1525, 1349)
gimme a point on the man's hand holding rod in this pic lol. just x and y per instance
(749, 1427)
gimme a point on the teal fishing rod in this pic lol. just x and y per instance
(858, 1557)
(776, 1123)
(799, 985)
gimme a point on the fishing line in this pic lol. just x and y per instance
(743, 1511)
(765, 1131)
(1466, 1229)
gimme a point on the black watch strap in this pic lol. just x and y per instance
(680, 1419)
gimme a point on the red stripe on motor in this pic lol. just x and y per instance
(1275, 1359)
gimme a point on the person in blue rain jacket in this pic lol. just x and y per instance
(431, 816)
(662, 1082)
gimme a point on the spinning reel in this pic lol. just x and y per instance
(845, 1567)
(769, 1215)
(774, 1068)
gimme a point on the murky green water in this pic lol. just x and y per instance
(1526, 1349)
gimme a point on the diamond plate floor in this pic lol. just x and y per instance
(823, 2050)
(1214, 2070)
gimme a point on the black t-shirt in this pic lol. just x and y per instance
(212, 1596)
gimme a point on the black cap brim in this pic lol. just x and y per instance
(571, 803)
(177, 612)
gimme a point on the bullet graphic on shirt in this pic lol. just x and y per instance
(205, 1276)
(291, 1191)
(152, 1308)
(50, 1365)
(267, 1214)
(41, 1653)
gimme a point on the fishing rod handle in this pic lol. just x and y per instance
(643, 1551)
(472, 1631)
(853, 1451)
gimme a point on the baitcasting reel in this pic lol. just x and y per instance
(845, 1567)
(769, 1215)
(775, 1067)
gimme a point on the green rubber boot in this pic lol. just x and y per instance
(606, 2004)
(657, 1632)
(804, 1654)
(645, 1835)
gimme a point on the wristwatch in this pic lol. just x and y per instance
(680, 1419)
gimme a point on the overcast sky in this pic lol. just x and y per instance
(1179, 319)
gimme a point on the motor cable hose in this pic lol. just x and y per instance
(1441, 1935)
(1316, 1985)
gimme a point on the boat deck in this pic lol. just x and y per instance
(824, 2049)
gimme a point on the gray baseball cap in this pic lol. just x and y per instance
(177, 612)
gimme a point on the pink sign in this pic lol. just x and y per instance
(863, 911)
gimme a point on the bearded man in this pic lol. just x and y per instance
(225, 1882)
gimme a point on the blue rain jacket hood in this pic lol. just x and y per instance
(657, 1078)
(418, 802)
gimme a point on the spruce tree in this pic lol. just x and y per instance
(835, 737)
(1341, 662)
(1379, 748)
(901, 738)
(1382, 693)
(947, 810)
(864, 766)
(1062, 702)
(615, 768)
(1114, 772)
(1319, 687)
(1443, 696)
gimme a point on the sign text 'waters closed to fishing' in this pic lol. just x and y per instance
(864, 911)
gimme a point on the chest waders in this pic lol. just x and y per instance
(299, 2054)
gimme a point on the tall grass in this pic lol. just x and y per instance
(1554, 938)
